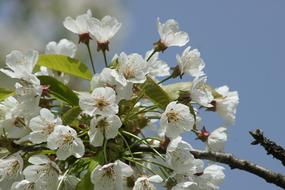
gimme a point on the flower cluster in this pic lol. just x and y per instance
(54, 137)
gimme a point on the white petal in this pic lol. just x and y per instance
(70, 24)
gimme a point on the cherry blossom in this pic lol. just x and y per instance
(64, 139)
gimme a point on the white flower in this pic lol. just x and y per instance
(191, 63)
(179, 158)
(79, 25)
(6, 109)
(63, 47)
(62, 77)
(185, 186)
(20, 66)
(68, 182)
(42, 126)
(65, 140)
(226, 105)
(10, 170)
(216, 140)
(27, 92)
(176, 119)
(43, 173)
(16, 120)
(170, 34)
(145, 182)
(211, 178)
(105, 29)
(111, 176)
(107, 78)
(101, 101)
(23, 185)
(132, 68)
(156, 67)
(200, 92)
(103, 126)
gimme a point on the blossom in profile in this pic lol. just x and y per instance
(63, 47)
(103, 30)
(103, 127)
(179, 158)
(210, 178)
(170, 35)
(156, 67)
(225, 104)
(79, 26)
(101, 101)
(111, 176)
(176, 119)
(7, 108)
(64, 139)
(145, 182)
(190, 63)
(20, 66)
(201, 93)
(217, 139)
(187, 185)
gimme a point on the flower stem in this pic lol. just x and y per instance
(105, 58)
(126, 143)
(144, 142)
(152, 53)
(163, 80)
(140, 164)
(92, 63)
(105, 149)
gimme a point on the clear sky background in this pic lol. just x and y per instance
(242, 43)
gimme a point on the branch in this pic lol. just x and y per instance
(234, 163)
(271, 147)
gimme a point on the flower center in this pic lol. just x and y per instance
(68, 139)
(129, 73)
(50, 128)
(109, 171)
(172, 116)
(101, 103)
(146, 185)
(102, 124)
(19, 122)
(13, 168)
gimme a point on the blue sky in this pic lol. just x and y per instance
(242, 43)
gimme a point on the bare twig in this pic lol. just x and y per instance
(270, 146)
(234, 163)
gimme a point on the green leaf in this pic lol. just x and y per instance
(59, 90)
(155, 93)
(66, 65)
(85, 182)
(173, 89)
(4, 93)
(69, 116)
